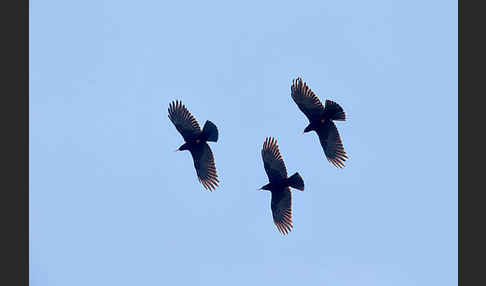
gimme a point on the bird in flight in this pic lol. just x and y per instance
(279, 185)
(321, 120)
(196, 142)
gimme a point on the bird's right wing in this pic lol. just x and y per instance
(282, 210)
(306, 100)
(272, 161)
(183, 120)
(205, 166)
(331, 143)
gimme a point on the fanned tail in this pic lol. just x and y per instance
(296, 181)
(210, 132)
(334, 111)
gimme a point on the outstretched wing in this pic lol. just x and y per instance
(205, 166)
(183, 120)
(331, 143)
(272, 161)
(306, 100)
(282, 210)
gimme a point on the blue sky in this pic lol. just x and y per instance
(111, 204)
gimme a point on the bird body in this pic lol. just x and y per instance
(321, 120)
(209, 133)
(196, 142)
(295, 181)
(279, 185)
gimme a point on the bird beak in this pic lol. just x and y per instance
(176, 150)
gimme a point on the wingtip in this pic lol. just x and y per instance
(283, 228)
(340, 164)
(210, 184)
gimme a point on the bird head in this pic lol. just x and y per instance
(307, 129)
(183, 147)
(266, 187)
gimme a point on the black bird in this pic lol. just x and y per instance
(321, 121)
(279, 185)
(196, 143)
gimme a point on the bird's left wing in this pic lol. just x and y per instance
(282, 210)
(331, 143)
(205, 166)
(306, 100)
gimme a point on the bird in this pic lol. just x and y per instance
(279, 185)
(321, 120)
(196, 142)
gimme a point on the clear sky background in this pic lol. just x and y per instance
(111, 204)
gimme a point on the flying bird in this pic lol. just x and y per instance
(279, 185)
(196, 142)
(321, 120)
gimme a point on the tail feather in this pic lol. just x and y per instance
(210, 131)
(334, 111)
(296, 181)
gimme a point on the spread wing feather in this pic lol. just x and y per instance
(272, 161)
(183, 120)
(282, 210)
(306, 100)
(205, 167)
(331, 143)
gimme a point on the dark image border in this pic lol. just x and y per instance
(15, 143)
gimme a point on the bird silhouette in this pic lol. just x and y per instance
(321, 120)
(196, 142)
(279, 185)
